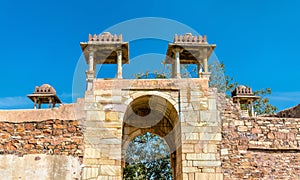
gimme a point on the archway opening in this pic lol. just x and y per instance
(147, 157)
(157, 116)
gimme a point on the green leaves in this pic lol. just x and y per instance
(147, 157)
(150, 75)
(262, 105)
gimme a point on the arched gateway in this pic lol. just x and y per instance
(181, 111)
(154, 114)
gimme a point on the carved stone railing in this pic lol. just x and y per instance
(189, 38)
(105, 37)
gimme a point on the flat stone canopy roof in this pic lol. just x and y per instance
(193, 49)
(105, 47)
(191, 53)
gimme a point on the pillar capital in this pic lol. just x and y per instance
(119, 51)
(177, 49)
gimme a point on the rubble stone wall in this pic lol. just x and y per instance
(260, 147)
(40, 144)
(59, 137)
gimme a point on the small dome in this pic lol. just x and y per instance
(44, 89)
(46, 86)
(106, 33)
(241, 87)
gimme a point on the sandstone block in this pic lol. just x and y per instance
(242, 128)
(187, 148)
(210, 136)
(95, 115)
(206, 163)
(111, 116)
(208, 170)
(190, 169)
(209, 176)
(224, 152)
(110, 170)
(201, 156)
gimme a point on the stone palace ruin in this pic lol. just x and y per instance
(208, 134)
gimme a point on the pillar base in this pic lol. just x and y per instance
(205, 75)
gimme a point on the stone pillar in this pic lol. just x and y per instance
(50, 102)
(34, 103)
(173, 70)
(91, 61)
(102, 136)
(90, 73)
(119, 63)
(177, 52)
(201, 138)
(205, 60)
(238, 102)
(252, 108)
(199, 70)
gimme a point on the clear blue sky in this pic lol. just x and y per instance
(258, 40)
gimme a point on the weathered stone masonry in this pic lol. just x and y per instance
(260, 147)
(59, 137)
(43, 144)
(208, 135)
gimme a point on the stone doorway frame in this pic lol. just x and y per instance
(155, 114)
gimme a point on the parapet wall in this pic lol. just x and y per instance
(260, 147)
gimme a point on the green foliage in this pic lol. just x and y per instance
(224, 83)
(151, 75)
(262, 105)
(218, 79)
(147, 157)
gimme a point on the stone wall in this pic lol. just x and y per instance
(59, 137)
(216, 142)
(260, 147)
(293, 112)
(41, 144)
(190, 119)
(39, 166)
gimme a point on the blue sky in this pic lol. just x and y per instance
(257, 40)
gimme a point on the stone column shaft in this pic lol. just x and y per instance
(91, 61)
(252, 108)
(205, 66)
(119, 64)
(173, 69)
(199, 70)
(35, 103)
(177, 63)
(50, 103)
(90, 74)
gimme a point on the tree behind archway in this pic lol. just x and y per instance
(147, 157)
